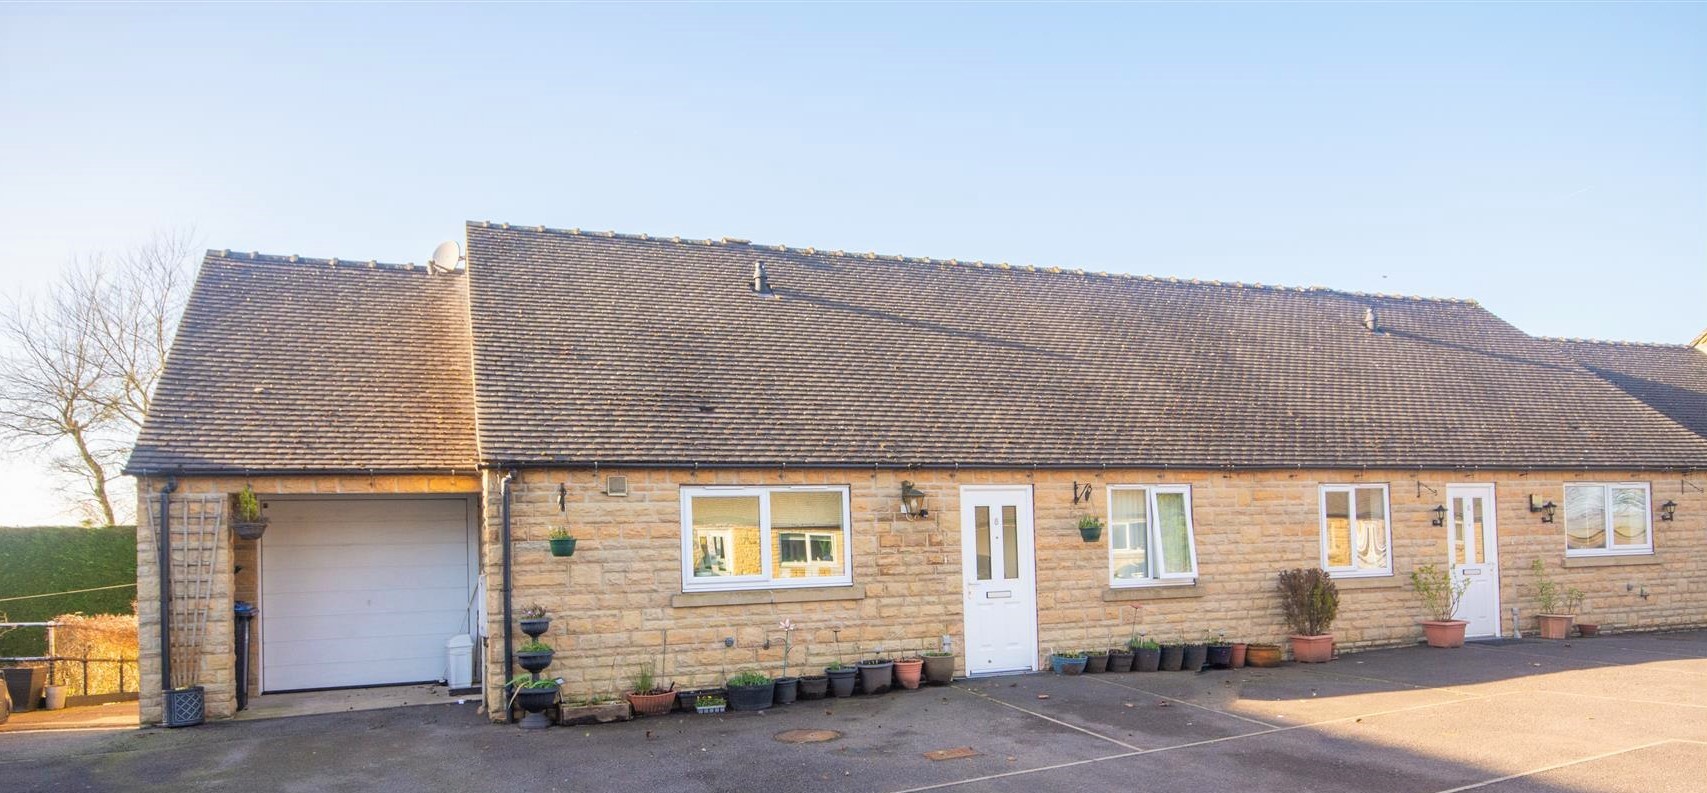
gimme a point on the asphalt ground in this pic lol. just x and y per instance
(1619, 713)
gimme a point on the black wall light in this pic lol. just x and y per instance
(1546, 509)
(1668, 510)
(913, 501)
(1440, 516)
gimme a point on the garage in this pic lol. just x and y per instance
(364, 591)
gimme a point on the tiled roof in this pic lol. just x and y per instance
(283, 363)
(1671, 378)
(617, 349)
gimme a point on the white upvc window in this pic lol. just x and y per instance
(765, 537)
(1608, 519)
(1357, 537)
(1150, 538)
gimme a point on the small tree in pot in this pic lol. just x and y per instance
(1310, 602)
(1558, 605)
(246, 519)
(1440, 596)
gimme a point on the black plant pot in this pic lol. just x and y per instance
(756, 697)
(1195, 654)
(939, 669)
(249, 530)
(26, 684)
(1096, 663)
(534, 627)
(841, 681)
(787, 688)
(186, 707)
(533, 661)
(814, 687)
(876, 678)
(1220, 656)
(534, 701)
(1172, 656)
(1091, 534)
(1146, 659)
(1119, 661)
(685, 697)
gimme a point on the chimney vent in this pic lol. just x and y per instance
(1369, 320)
(761, 280)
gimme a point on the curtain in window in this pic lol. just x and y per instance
(1175, 532)
(1129, 534)
(1629, 516)
(1585, 517)
(1369, 531)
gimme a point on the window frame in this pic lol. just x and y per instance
(1154, 555)
(1611, 548)
(766, 539)
(1350, 490)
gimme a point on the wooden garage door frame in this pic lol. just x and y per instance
(472, 502)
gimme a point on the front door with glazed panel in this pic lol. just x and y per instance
(999, 568)
(1472, 540)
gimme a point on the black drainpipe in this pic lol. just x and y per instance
(163, 544)
(509, 624)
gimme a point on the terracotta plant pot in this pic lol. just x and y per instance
(1444, 633)
(654, 703)
(1096, 662)
(1587, 629)
(1238, 659)
(1119, 660)
(908, 671)
(1556, 626)
(939, 669)
(1146, 659)
(814, 687)
(1195, 655)
(1317, 649)
(841, 680)
(1265, 656)
(1173, 655)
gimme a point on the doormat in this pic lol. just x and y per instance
(951, 754)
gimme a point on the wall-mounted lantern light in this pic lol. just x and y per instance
(1546, 509)
(913, 502)
(1440, 516)
(1668, 510)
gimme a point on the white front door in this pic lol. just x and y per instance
(1472, 541)
(1000, 569)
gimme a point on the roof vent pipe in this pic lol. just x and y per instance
(1369, 320)
(761, 280)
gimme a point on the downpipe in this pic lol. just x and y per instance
(162, 544)
(509, 624)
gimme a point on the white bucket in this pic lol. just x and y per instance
(55, 696)
(459, 661)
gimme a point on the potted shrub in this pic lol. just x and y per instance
(1090, 528)
(1310, 602)
(646, 697)
(1440, 596)
(787, 688)
(534, 621)
(876, 675)
(1264, 655)
(841, 677)
(750, 689)
(1096, 661)
(1237, 659)
(709, 703)
(939, 668)
(534, 695)
(534, 656)
(1119, 659)
(1558, 606)
(562, 542)
(1219, 652)
(246, 519)
(909, 670)
(1146, 654)
(1173, 657)
(1069, 662)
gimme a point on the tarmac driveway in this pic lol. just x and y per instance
(1615, 713)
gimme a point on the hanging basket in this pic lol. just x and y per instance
(563, 546)
(249, 530)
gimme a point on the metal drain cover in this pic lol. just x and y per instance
(807, 736)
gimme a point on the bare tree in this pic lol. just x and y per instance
(81, 362)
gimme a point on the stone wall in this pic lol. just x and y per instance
(218, 662)
(618, 600)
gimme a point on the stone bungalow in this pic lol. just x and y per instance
(730, 444)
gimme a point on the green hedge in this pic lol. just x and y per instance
(45, 559)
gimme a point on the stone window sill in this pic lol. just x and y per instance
(756, 597)
(1612, 561)
(1157, 592)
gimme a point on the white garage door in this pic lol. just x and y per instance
(361, 592)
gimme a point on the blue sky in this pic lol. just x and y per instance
(1547, 160)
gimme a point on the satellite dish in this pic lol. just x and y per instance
(446, 257)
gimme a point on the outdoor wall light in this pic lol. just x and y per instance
(1546, 509)
(1440, 516)
(913, 502)
(1668, 510)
